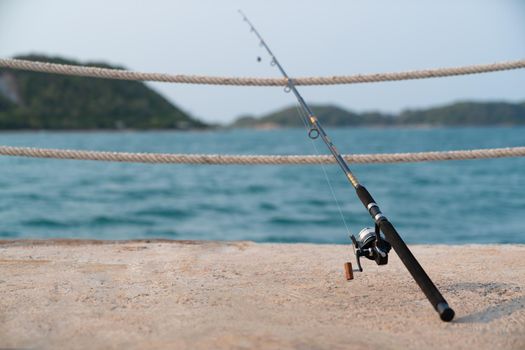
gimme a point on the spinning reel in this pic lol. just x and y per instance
(371, 244)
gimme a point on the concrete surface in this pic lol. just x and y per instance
(242, 295)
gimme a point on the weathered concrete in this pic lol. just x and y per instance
(142, 295)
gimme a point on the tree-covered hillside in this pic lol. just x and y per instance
(329, 115)
(467, 113)
(30, 100)
(457, 114)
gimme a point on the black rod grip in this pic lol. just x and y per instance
(420, 276)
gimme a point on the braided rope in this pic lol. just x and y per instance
(258, 159)
(107, 73)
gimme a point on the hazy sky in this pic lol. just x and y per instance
(309, 38)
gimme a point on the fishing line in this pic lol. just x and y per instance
(303, 117)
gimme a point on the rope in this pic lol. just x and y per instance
(106, 73)
(259, 159)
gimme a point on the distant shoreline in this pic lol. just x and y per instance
(229, 128)
(466, 113)
(94, 131)
(404, 126)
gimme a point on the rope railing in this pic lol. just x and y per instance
(107, 73)
(169, 158)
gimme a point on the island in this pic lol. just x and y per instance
(456, 114)
(36, 101)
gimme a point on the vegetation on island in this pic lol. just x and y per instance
(30, 100)
(457, 114)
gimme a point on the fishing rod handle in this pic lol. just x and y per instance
(420, 276)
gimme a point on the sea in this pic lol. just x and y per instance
(449, 202)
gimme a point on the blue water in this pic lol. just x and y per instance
(476, 201)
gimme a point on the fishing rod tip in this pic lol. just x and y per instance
(243, 15)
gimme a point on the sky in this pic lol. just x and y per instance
(310, 38)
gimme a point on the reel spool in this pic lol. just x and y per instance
(371, 244)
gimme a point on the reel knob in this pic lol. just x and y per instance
(349, 272)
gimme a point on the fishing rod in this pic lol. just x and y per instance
(370, 243)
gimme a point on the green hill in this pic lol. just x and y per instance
(457, 114)
(468, 113)
(30, 100)
(329, 115)
(288, 117)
